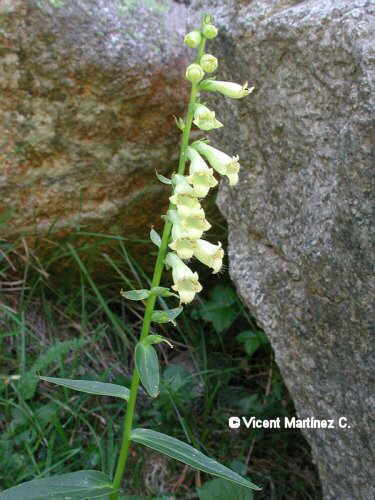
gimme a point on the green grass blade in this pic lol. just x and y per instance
(115, 322)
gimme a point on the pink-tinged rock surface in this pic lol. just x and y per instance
(88, 94)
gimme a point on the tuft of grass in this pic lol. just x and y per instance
(57, 318)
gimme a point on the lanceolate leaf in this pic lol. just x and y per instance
(160, 316)
(161, 291)
(155, 238)
(136, 294)
(147, 364)
(91, 387)
(72, 486)
(163, 179)
(188, 455)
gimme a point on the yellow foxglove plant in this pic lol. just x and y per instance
(181, 241)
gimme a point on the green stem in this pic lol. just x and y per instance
(150, 304)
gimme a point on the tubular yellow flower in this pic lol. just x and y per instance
(221, 162)
(194, 73)
(195, 226)
(208, 63)
(229, 89)
(209, 254)
(183, 247)
(205, 119)
(191, 227)
(186, 282)
(187, 206)
(201, 176)
(181, 185)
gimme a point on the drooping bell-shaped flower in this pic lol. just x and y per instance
(191, 227)
(181, 185)
(183, 247)
(186, 282)
(201, 176)
(195, 226)
(221, 162)
(205, 119)
(209, 254)
(187, 206)
(229, 89)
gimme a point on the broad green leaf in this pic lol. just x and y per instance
(136, 294)
(160, 316)
(252, 340)
(220, 309)
(155, 238)
(188, 455)
(156, 339)
(219, 489)
(163, 179)
(91, 387)
(161, 291)
(147, 364)
(73, 486)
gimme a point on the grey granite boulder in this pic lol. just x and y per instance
(88, 94)
(301, 217)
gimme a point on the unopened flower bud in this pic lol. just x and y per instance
(209, 31)
(229, 89)
(193, 39)
(209, 63)
(194, 73)
(205, 119)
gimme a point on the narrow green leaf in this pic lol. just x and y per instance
(73, 486)
(156, 339)
(147, 364)
(180, 123)
(163, 179)
(91, 387)
(136, 294)
(188, 455)
(155, 238)
(161, 316)
(161, 291)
